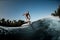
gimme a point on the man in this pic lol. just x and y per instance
(27, 16)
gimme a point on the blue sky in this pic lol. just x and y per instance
(14, 9)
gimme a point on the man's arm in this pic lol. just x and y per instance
(24, 14)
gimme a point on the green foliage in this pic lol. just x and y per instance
(57, 12)
(9, 23)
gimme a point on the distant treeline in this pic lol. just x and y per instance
(9, 23)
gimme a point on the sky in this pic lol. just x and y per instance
(14, 9)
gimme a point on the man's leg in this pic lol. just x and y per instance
(29, 21)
